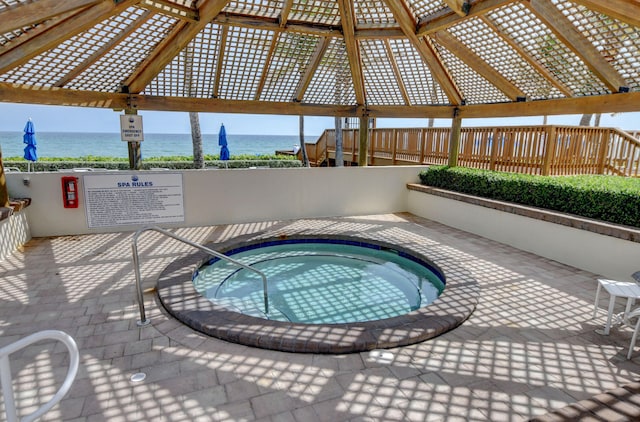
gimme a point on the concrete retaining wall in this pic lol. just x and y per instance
(235, 196)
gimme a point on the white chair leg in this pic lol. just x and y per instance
(595, 305)
(633, 339)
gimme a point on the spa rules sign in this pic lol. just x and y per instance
(133, 199)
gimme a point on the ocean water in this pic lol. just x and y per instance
(77, 144)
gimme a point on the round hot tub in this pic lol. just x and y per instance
(317, 294)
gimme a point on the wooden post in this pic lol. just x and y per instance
(494, 149)
(394, 142)
(4, 194)
(454, 139)
(364, 140)
(605, 141)
(135, 154)
(549, 151)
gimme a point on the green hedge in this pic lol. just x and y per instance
(607, 198)
(147, 165)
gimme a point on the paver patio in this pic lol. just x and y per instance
(529, 346)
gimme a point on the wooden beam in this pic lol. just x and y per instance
(475, 62)
(15, 93)
(165, 51)
(569, 35)
(438, 70)
(447, 19)
(397, 73)
(17, 53)
(347, 19)
(528, 58)
(627, 11)
(103, 50)
(34, 12)
(610, 103)
(169, 8)
(314, 62)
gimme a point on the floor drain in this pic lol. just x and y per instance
(140, 376)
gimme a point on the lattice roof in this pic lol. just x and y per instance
(387, 58)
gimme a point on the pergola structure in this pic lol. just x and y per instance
(363, 58)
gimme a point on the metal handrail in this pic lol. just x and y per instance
(5, 372)
(136, 265)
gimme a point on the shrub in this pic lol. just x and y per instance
(608, 198)
(172, 163)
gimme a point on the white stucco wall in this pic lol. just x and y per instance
(605, 255)
(252, 195)
(234, 196)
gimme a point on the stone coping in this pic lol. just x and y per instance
(596, 226)
(179, 297)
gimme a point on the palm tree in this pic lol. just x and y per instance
(194, 119)
(585, 120)
(196, 139)
(303, 149)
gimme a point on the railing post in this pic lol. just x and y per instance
(603, 147)
(494, 149)
(549, 150)
(372, 142)
(423, 141)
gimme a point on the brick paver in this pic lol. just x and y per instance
(529, 346)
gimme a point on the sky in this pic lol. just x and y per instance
(83, 119)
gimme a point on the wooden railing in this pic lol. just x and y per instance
(548, 150)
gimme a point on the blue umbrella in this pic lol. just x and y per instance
(222, 141)
(29, 138)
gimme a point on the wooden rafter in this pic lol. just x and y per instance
(172, 9)
(527, 57)
(284, 14)
(459, 7)
(476, 63)
(397, 73)
(627, 11)
(164, 52)
(438, 70)
(103, 50)
(31, 13)
(17, 53)
(314, 62)
(569, 35)
(267, 63)
(221, 52)
(448, 18)
(353, 52)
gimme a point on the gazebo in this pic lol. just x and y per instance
(349, 58)
(352, 58)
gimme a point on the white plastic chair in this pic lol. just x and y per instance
(632, 314)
